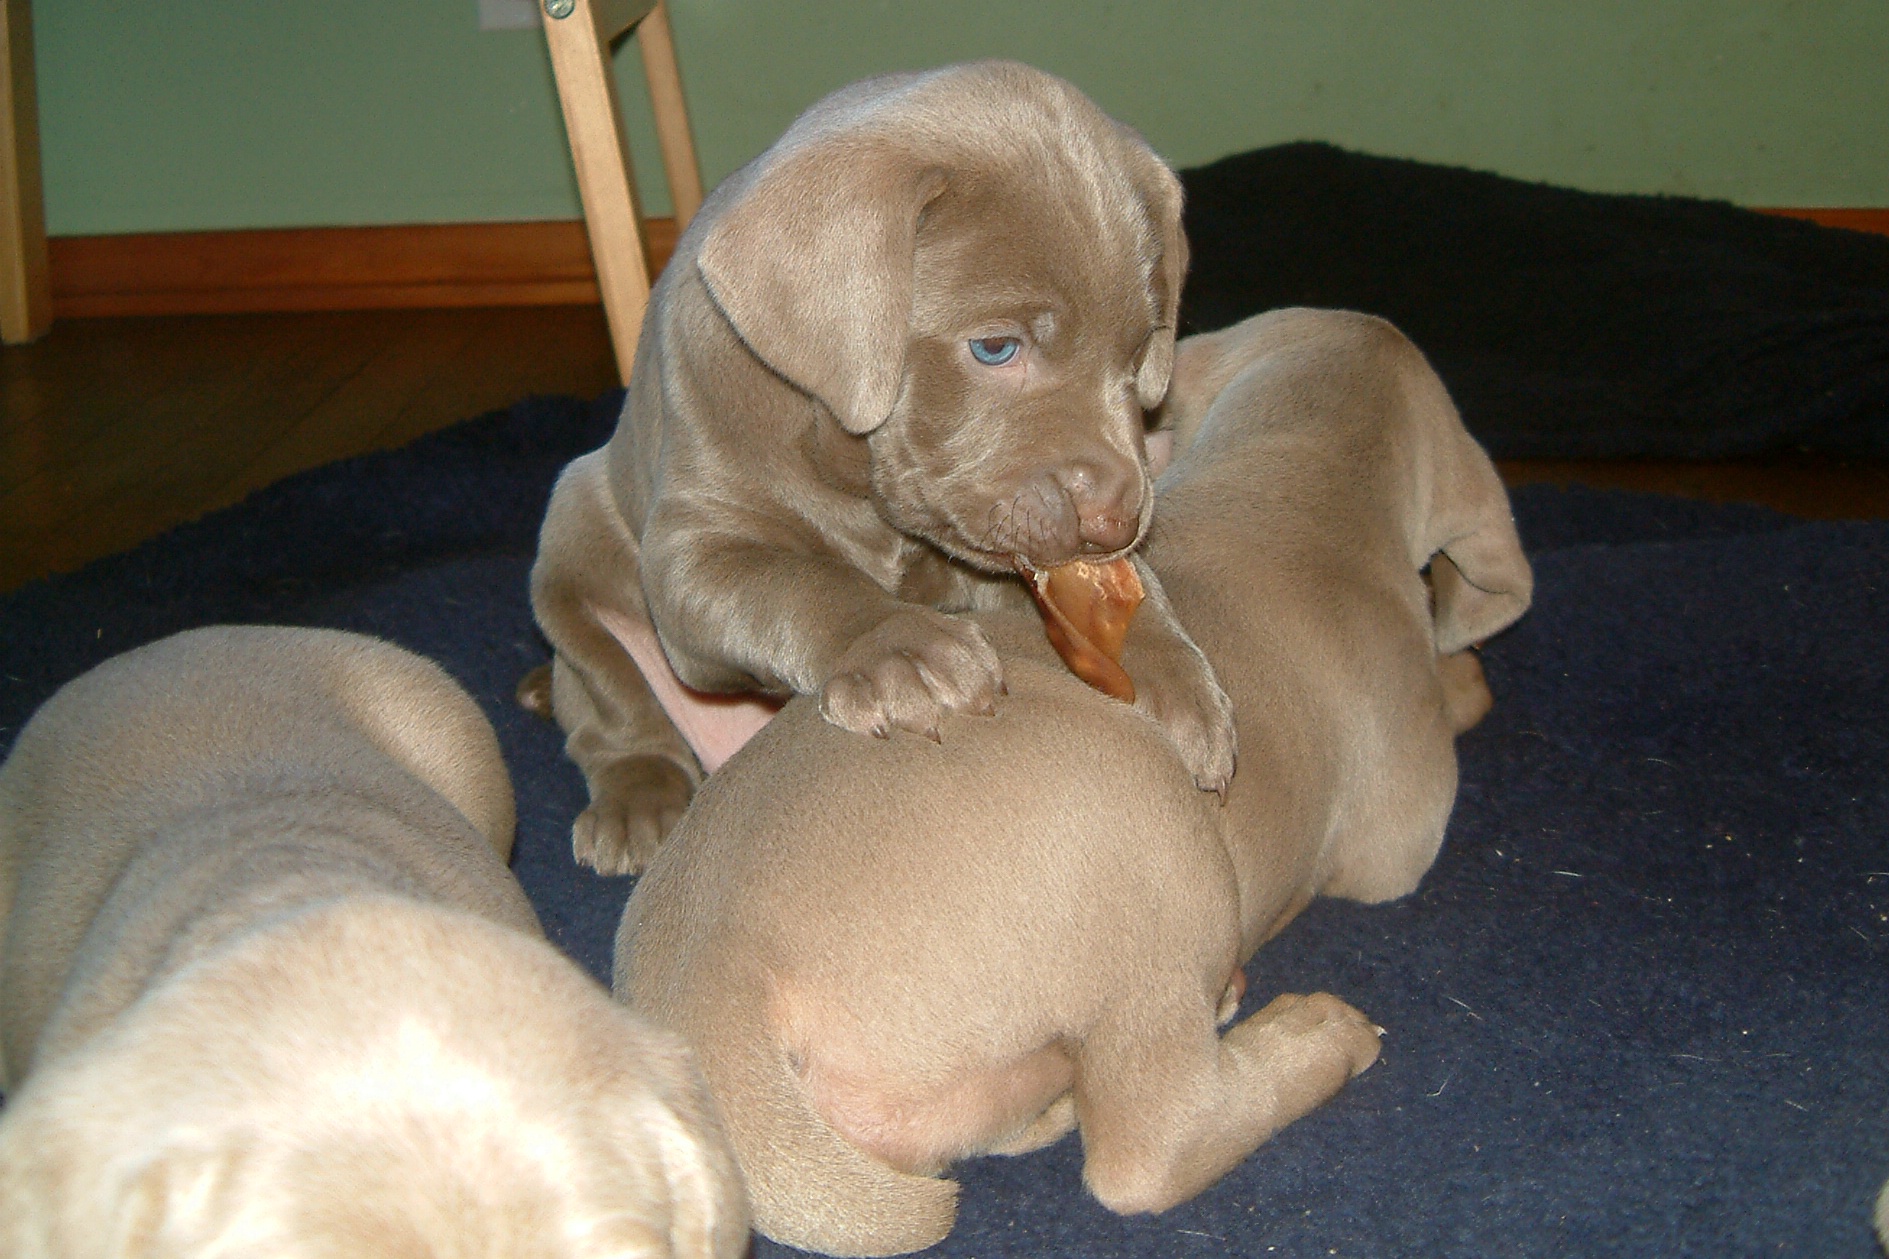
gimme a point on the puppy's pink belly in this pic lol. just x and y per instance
(922, 1129)
(715, 725)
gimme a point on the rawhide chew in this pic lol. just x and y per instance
(1086, 611)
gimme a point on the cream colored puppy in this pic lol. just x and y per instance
(268, 988)
(891, 955)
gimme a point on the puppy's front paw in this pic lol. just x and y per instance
(1188, 702)
(909, 671)
(1321, 1023)
(633, 804)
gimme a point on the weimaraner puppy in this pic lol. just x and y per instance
(893, 955)
(267, 987)
(902, 354)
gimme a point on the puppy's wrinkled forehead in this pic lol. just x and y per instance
(1040, 205)
(893, 199)
(1042, 201)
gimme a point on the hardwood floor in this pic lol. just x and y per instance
(115, 429)
(1816, 487)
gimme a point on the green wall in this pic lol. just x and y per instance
(192, 114)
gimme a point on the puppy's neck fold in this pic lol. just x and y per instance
(838, 458)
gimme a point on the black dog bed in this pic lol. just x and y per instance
(1566, 324)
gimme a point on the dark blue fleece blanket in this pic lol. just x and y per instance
(1639, 1007)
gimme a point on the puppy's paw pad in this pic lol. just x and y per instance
(634, 805)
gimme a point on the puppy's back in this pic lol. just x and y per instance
(841, 925)
(1061, 785)
(1334, 539)
(141, 750)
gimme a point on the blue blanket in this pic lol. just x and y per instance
(1639, 1007)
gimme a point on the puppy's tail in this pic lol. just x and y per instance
(807, 1185)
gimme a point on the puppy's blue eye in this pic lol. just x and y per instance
(995, 351)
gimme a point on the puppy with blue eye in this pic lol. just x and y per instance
(901, 356)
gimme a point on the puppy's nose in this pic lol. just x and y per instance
(1106, 494)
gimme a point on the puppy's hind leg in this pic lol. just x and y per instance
(1167, 1109)
(640, 773)
(637, 765)
(808, 1186)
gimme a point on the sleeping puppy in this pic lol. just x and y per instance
(267, 987)
(893, 955)
(900, 355)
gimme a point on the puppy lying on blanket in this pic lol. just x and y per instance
(893, 955)
(902, 354)
(268, 988)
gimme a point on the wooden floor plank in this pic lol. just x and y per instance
(181, 442)
(1815, 487)
(113, 430)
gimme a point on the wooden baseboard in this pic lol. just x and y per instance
(1855, 220)
(331, 268)
(365, 268)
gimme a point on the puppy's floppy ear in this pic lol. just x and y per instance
(674, 1122)
(1161, 193)
(1480, 577)
(812, 265)
(64, 1190)
(707, 1208)
(1480, 580)
(1203, 365)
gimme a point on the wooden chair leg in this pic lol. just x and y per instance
(25, 286)
(580, 42)
(672, 113)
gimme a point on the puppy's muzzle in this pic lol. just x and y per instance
(1081, 508)
(1106, 498)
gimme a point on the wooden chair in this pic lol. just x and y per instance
(580, 34)
(25, 290)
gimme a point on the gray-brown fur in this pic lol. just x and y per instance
(813, 479)
(891, 955)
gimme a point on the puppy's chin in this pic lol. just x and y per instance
(983, 559)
